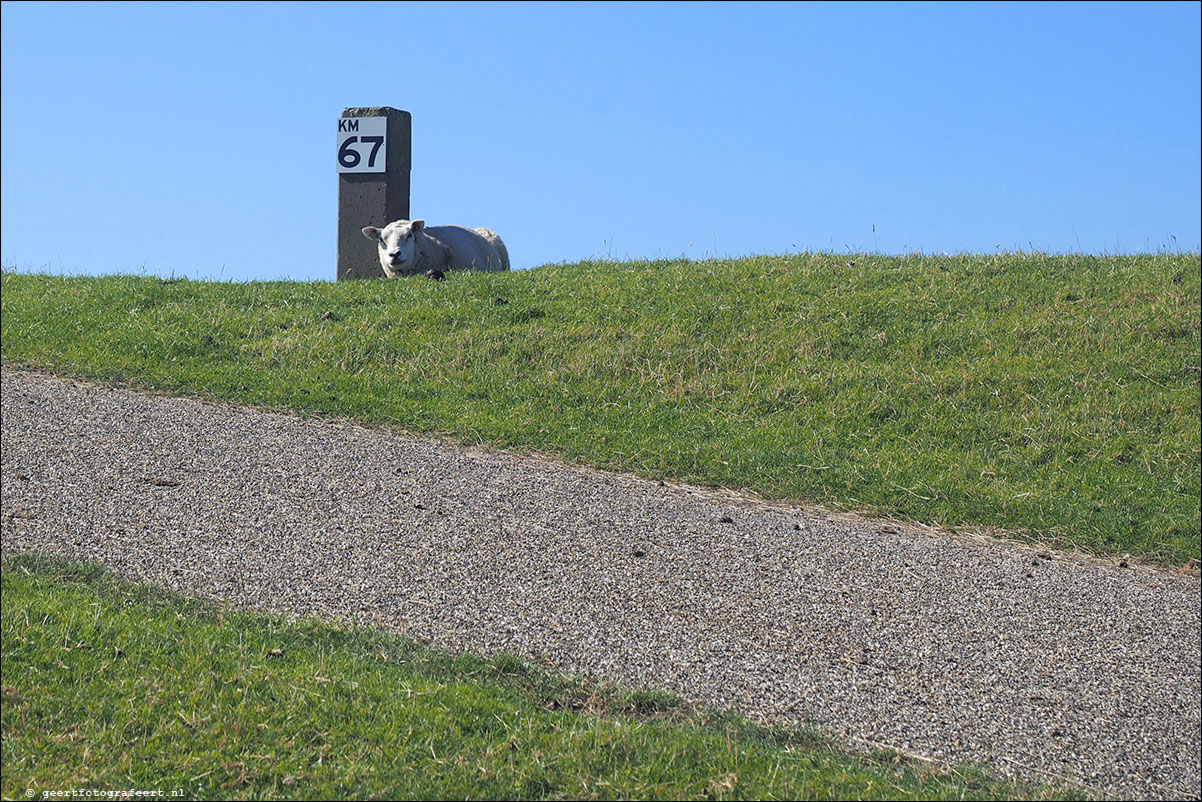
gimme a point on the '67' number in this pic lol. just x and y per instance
(349, 156)
(362, 144)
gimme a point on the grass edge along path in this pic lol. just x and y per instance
(109, 684)
(1052, 398)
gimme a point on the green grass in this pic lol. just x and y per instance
(1056, 397)
(111, 685)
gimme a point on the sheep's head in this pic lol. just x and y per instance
(398, 246)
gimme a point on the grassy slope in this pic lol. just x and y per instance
(1058, 395)
(108, 685)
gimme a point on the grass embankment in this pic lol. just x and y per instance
(1054, 396)
(111, 686)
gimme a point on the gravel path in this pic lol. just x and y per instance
(1039, 664)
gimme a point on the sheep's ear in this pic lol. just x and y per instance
(417, 225)
(371, 232)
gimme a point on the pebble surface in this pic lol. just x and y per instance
(1040, 664)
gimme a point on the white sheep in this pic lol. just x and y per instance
(408, 247)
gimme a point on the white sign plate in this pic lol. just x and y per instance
(362, 144)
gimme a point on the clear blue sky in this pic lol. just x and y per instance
(199, 140)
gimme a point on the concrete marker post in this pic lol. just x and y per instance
(373, 182)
